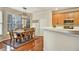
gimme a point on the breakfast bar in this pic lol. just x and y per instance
(61, 39)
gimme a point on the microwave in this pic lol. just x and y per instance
(68, 24)
(68, 21)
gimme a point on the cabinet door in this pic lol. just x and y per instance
(58, 19)
(61, 19)
(54, 19)
(76, 20)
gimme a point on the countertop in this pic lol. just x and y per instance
(69, 32)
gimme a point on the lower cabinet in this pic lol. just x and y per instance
(35, 45)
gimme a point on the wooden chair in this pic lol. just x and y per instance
(18, 37)
(23, 35)
(29, 33)
(32, 32)
(12, 38)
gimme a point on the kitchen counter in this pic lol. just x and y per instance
(59, 39)
(68, 32)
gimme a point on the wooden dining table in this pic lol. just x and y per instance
(18, 31)
(22, 33)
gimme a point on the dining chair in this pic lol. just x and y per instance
(18, 37)
(12, 38)
(32, 32)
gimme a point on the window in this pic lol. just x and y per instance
(0, 22)
(17, 22)
(10, 23)
(14, 22)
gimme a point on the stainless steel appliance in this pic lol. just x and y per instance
(68, 24)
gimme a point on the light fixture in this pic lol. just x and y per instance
(24, 16)
(56, 9)
(24, 9)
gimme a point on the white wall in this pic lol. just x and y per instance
(45, 19)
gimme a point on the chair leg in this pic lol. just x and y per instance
(20, 40)
(10, 41)
(16, 40)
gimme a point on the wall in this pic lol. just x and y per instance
(45, 20)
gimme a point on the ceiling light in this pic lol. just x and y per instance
(24, 8)
(56, 8)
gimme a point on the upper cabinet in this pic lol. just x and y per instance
(76, 15)
(54, 19)
(61, 19)
(58, 18)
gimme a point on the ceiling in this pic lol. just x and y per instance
(38, 9)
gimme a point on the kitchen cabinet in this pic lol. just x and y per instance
(76, 20)
(54, 19)
(71, 15)
(61, 19)
(58, 19)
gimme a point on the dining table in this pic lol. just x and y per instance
(18, 31)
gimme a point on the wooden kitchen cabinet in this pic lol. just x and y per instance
(58, 19)
(61, 19)
(76, 20)
(54, 19)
